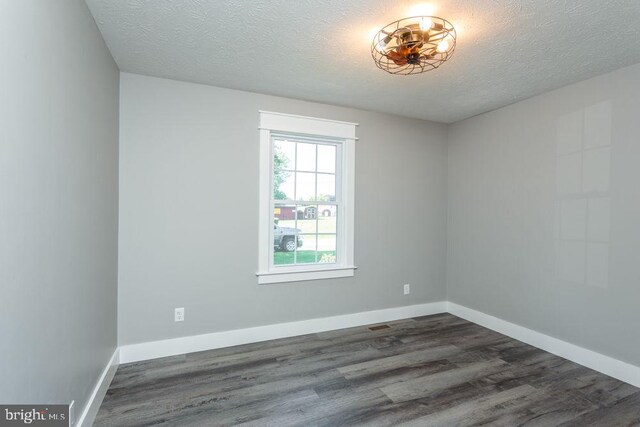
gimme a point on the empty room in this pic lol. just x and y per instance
(319, 213)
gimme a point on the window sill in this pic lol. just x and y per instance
(267, 277)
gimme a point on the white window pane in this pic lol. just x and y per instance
(283, 185)
(306, 157)
(326, 187)
(327, 217)
(327, 248)
(284, 234)
(326, 158)
(284, 215)
(284, 154)
(287, 253)
(325, 211)
(282, 258)
(307, 218)
(306, 252)
(305, 186)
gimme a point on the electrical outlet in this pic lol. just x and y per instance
(407, 289)
(179, 314)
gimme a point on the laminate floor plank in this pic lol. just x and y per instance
(477, 411)
(327, 411)
(424, 386)
(397, 361)
(625, 412)
(427, 371)
(399, 375)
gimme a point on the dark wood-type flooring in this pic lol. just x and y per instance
(429, 371)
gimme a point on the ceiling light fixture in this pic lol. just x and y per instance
(413, 45)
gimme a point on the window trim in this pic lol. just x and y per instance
(277, 124)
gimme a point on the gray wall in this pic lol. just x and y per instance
(58, 202)
(544, 210)
(188, 213)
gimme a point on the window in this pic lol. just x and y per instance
(306, 198)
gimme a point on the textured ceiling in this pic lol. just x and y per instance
(507, 50)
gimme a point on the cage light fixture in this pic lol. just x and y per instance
(413, 45)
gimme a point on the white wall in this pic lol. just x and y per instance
(544, 210)
(189, 201)
(58, 202)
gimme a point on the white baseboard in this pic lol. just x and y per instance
(175, 346)
(95, 400)
(596, 361)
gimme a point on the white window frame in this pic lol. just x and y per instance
(342, 133)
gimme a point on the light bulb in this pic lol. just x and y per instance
(382, 44)
(443, 46)
(425, 24)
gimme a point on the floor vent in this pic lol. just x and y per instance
(379, 327)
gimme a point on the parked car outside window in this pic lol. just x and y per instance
(284, 238)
